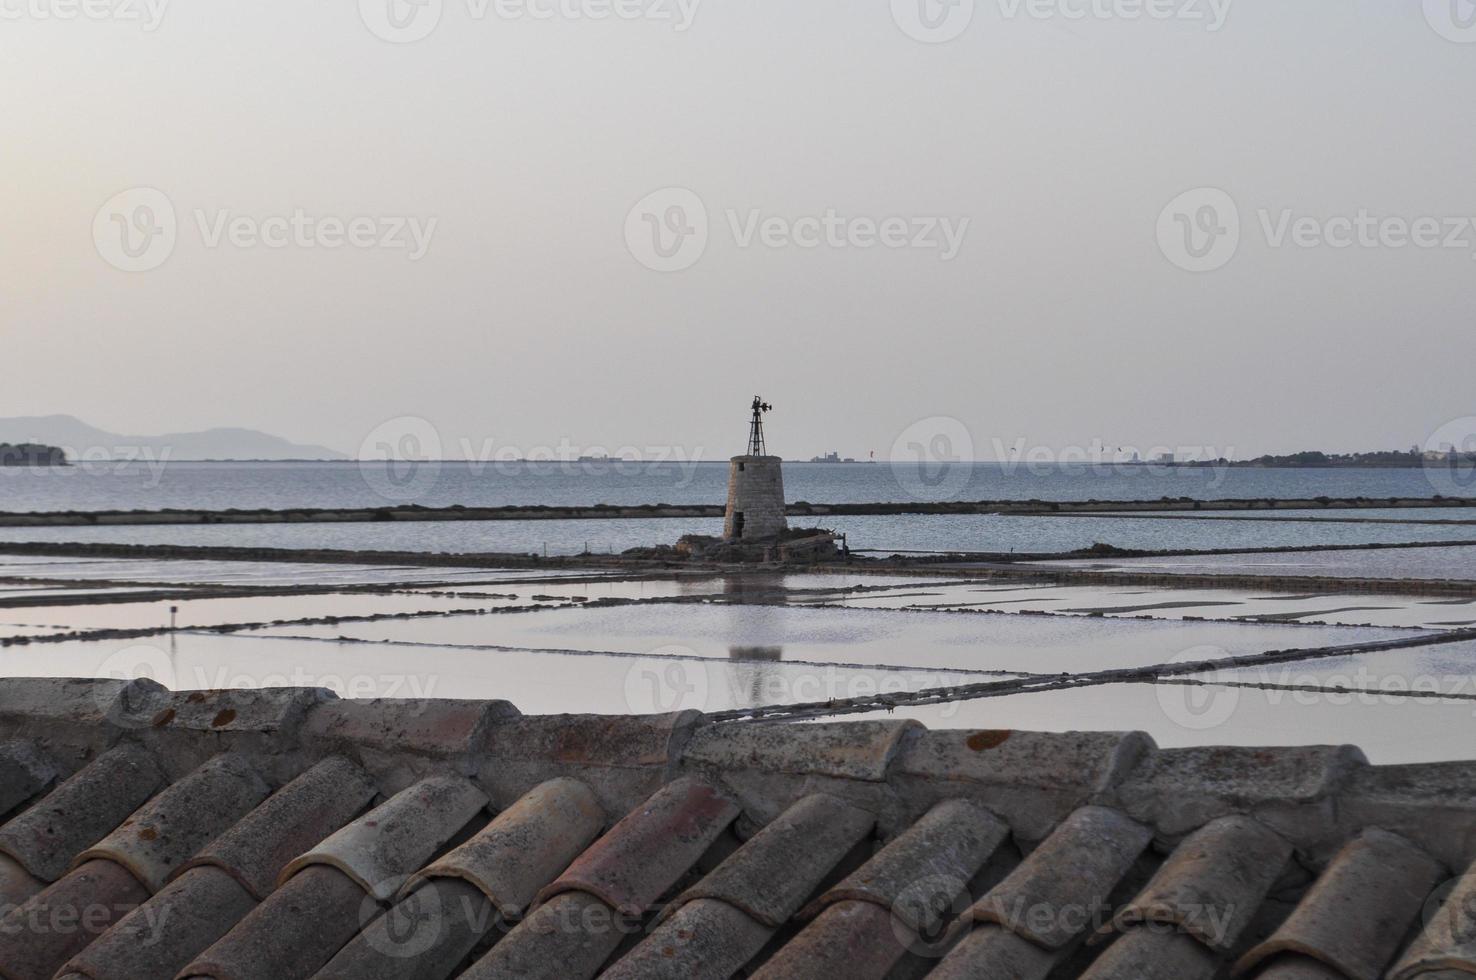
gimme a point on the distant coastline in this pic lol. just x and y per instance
(1331, 461)
(31, 454)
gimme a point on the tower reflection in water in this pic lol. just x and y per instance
(755, 675)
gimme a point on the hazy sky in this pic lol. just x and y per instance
(518, 148)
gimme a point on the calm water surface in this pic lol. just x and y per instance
(219, 486)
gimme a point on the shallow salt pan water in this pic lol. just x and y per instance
(197, 613)
(1353, 609)
(1448, 668)
(927, 640)
(260, 573)
(538, 683)
(1456, 563)
(1390, 731)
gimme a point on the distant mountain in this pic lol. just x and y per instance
(83, 442)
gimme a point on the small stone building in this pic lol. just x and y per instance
(755, 488)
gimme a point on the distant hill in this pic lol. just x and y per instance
(83, 442)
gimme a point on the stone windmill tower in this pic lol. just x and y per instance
(755, 487)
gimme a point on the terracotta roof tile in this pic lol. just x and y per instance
(922, 871)
(525, 847)
(166, 831)
(770, 877)
(851, 750)
(704, 938)
(166, 932)
(440, 728)
(1357, 914)
(1302, 968)
(988, 952)
(81, 811)
(718, 925)
(425, 936)
(1052, 896)
(16, 883)
(384, 847)
(1212, 884)
(1032, 779)
(739, 822)
(213, 891)
(1151, 954)
(24, 772)
(291, 821)
(291, 934)
(84, 715)
(569, 937)
(622, 759)
(856, 939)
(1448, 941)
(1428, 803)
(650, 849)
(273, 709)
(49, 928)
(327, 894)
(1291, 789)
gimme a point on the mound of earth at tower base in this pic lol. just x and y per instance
(794, 545)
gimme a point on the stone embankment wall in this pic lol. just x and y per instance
(413, 512)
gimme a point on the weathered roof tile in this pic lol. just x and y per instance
(424, 936)
(291, 821)
(384, 847)
(291, 934)
(855, 939)
(1032, 779)
(1301, 968)
(706, 938)
(987, 952)
(569, 937)
(1431, 804)
(81, 811)
(624, 759)
(923, 870)
(1154, 954)
(1356, 915)
(1213, 883)
(161, 936)
(168, 830)
(256, 710)
(85, 714)
(16, 883)
(49, 928)
(649, 850)
(1066, 880)
(851, 750)
(432, 727)
(525, 847)
(939, 797)
(771, 875)
(1181, 790)
(24, 772)
(1448, 941)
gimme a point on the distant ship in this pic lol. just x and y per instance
(836, 458)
